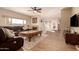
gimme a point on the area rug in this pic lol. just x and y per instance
(35, 40)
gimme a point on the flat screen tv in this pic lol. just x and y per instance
(74, 21)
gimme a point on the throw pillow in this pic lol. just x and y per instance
(9, 32)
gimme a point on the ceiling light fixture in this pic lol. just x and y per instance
(35, 11)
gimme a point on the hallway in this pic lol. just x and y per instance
(53, 42)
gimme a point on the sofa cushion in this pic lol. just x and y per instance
(9, 33)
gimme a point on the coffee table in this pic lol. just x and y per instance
(30, 34)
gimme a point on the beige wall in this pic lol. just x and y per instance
(65, 18)
(75, 10)
(66, 13)
(5, 14)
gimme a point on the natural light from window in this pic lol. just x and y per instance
(15, 22)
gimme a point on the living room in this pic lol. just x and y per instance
(49, 22)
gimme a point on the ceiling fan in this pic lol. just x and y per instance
(36, 9)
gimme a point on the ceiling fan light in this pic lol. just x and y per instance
(35, 11)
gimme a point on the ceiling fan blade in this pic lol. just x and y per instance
(39, 11)
(34, 8)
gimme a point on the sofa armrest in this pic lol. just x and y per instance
(12, 44)
(14, 38)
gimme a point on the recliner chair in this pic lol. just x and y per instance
(10, 44)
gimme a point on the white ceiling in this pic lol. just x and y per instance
(46, 11)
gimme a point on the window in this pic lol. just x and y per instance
(16, 22)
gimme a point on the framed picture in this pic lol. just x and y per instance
(34, 20)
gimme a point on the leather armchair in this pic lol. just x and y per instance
(10, 44)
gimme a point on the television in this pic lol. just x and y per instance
(74, 21)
